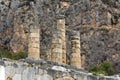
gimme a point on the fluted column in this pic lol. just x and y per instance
(75, 57)
(34, 43)
(56, 46)
(61, 27)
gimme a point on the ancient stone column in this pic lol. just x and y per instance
(34, 43)
(109, 17)
(56, 46)
(83, 60)
(61, 27)
(75, 57)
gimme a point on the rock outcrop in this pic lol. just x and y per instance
(97, 20)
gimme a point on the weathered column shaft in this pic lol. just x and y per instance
(75, 57)
(109, 17)
(83, 60)
(34, 43)
(61, 27)
(56, 46)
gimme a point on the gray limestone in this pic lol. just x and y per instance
(53, 71)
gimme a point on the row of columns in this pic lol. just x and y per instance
(58, 44)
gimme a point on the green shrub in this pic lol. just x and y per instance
(5, 54)
(105, 68)
(19, 55)
(97, 70)
(15, 56)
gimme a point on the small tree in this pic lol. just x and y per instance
(5, 54)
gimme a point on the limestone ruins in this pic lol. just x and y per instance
(58, 44)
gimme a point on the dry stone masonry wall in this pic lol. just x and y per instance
(45, 70)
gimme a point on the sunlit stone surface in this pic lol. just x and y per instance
(30, 69)
(2, 72)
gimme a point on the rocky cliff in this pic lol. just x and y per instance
(97, 20)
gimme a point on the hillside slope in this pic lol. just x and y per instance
(97, 20)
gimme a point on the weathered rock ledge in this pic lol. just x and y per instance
(29, 69)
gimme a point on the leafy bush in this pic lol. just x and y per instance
(108, 68)
(19, 55)
(15, 56)
(5, 54)
(105, 68)
(97, 70)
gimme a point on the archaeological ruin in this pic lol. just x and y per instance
(63, 38)
(58, 44)
(58, 50)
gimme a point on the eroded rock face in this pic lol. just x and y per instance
(16, 16)
(100, 45)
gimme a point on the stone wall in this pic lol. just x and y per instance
(45, 70)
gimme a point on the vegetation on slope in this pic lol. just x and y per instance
(15, 56)
(105, 68)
